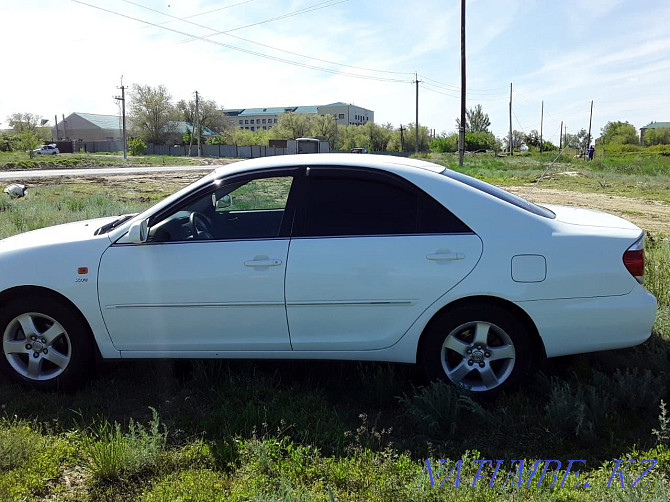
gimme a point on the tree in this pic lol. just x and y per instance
(209, 113)
(152, 114)
(658, 136)
(292, 126)
(517, 140)
(532, 138)
(27, 141)
(324, 126)
(475, 120)
(618, 133)
(481, 140)
(24, 122)
(445, 143)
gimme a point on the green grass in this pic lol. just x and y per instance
(303, 430)
(631, 175)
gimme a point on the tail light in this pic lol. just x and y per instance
(633, 259)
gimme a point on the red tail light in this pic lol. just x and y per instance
(633, 259)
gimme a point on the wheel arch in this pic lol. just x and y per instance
(536, 341)
(31, 291)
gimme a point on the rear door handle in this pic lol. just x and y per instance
(262, 263)
(445, 256)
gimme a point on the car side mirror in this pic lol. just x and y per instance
(138, 232)
(223, 203)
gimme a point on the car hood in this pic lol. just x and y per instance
(589, 218)
(59, 234)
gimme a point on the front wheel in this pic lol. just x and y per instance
(45, 343)
(483, 349)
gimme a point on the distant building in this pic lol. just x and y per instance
(651, 125)
(89, 127)
(259, 119)
(96, 127)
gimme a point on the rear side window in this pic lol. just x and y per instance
(499, 193)
(350, 206)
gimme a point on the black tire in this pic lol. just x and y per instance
(483, 349)
(38, 358)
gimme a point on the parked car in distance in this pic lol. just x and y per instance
(326, 256)
(359, 150)
(46, 150)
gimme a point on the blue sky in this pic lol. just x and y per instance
(64, 56)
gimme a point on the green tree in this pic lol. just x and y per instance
(210, 114)
(323, 126)
(475, 120)
(517, 141)
(445, 143)
(27, 141)
(152, 113)
(136, 146)
(482, 140)
(20, 122)
(618, 133)
(292, 126)
(659, 136)
(532, 138)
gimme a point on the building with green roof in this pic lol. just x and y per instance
(258, 119)
(652, 125)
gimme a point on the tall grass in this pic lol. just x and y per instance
(657, 269)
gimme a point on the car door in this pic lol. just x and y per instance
(210, 277)
(370, 252)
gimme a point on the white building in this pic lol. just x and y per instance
(259, 119)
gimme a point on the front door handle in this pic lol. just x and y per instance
(445, 256)
(263, 263)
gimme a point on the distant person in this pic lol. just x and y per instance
(591, 151)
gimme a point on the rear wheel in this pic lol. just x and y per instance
(483, 349)
(45, 343)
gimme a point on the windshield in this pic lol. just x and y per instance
(499, 193)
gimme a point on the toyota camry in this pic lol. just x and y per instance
(330, 256)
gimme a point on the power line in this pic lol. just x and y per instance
(247, 51)
(185, 20)
(321, 5)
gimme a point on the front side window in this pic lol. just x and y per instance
(248, 209)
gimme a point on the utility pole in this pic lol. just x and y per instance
(511, 147)
(402, 138)
(64, 127)
(123, 115)
(416, 123)
(197, 122)
(590, 119)
(541, 124)
(335, 139)
(56, 122)
(560, 138)
(461, 128)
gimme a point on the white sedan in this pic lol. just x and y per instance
(46, 150)
(331, 256)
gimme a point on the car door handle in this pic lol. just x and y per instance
(445, 256)
(262, 263)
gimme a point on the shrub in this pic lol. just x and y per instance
(116, 454)
(136, 146)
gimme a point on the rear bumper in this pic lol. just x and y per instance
(573, 326)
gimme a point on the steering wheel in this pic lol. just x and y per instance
(200, 226)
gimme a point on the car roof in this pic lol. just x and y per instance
(331, 159)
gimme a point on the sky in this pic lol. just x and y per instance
(65, 56)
